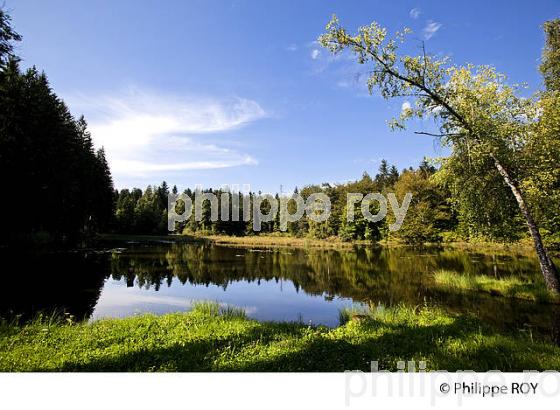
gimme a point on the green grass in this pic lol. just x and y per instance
(214, 309)
(510, 287)
(211, 338)
(280, 241)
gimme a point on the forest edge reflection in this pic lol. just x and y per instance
(73, 282)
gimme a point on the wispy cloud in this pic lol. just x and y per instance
(148, 133)
(141, 168)
(292, 47)
(406, 106)
(431, 29)
(342, 68)
(414, 13)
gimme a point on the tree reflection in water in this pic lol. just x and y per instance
(388, 276)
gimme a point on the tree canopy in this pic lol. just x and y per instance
(7, 37)
(60, 188)
(550, 66)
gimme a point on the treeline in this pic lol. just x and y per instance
(141, 212)
(429, 217)
(435, 214)
(60, 188)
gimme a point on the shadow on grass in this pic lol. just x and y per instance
(191, 355)
(457, 345)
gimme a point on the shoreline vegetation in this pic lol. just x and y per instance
(277, 241)
(336, 242)
(215, 338)
(509, 287)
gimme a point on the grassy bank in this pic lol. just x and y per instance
(213, 339)
(277, 240)
(257, 241)
(511, 287)
(253, 241)
(284, 240)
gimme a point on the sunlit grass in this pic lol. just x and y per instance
(213, 338)
(280, 240)
(215, 309)
(362, 312)
(511, 287)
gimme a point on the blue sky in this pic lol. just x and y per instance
(237, 92)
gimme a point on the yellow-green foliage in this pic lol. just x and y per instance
(508, 287)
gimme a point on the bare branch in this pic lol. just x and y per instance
(438, 135)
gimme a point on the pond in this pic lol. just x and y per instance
(284, 284)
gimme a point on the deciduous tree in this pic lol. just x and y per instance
(481, 118)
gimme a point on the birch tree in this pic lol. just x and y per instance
(483, 120)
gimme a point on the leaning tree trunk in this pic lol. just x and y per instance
(548, 269)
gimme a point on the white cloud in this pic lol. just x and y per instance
(140, 167)
(436, 110)
(414, 13)
(431, 29)
(292, 47)
(315, 54)
(406, 106)
(148, 133)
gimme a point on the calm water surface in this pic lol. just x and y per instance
(309, 285)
